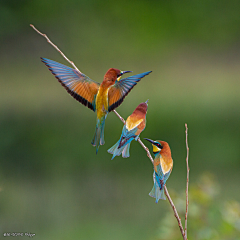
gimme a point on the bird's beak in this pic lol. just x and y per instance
(147, 102)
(151, 141)
(123, 72)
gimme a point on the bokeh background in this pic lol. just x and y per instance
(53, 184)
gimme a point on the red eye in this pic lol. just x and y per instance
(159, 146)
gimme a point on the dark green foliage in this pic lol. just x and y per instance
(210, 216)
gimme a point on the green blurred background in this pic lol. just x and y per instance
(51, 181)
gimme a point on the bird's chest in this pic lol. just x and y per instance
(102, 101)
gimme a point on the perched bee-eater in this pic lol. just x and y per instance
(132, 128)
(104, 97)
(162, 166)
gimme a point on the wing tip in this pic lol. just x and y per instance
(72, 93)
(44, 60)
(47, 62)
(145, 73)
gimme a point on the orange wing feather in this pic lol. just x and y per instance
(141, 126)
(86, 90)
(80, 86)
(114, 94)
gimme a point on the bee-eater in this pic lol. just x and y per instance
(132, 128)
(103, 98)
(162, 166)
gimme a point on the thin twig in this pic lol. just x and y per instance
(139, 140)
(175, 212)
(187, 201)
(147, 150)
(118, 115)
(44, 35)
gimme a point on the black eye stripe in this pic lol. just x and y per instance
(159, 145)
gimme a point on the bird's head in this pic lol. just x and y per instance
(113, 75)
(157, 145)
(160, 146)
(142, 107)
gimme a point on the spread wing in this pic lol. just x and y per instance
(80, 86)
(120, 90)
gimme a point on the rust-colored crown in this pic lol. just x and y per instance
(111, 76)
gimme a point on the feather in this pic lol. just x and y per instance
(121, 88)
(78, 85)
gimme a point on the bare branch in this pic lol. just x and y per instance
(44, 35)
(146, 149)
(187, 201)
(175, 212)
(118, 115)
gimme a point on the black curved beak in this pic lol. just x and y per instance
(123, 72)
(151, 141)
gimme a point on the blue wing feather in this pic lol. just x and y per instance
(161, 177)
(130, 133)
(127, 136)
(125, 86)
(128, 83)
(123, 144)
(75, 82)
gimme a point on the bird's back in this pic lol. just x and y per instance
(133, 122)
(137, 118)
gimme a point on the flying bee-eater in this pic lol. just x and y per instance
(162, 166)
(103, 98)
(132, 128)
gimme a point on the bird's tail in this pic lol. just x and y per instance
(125, 151)
(115, 151)
(156, 192)
(98, 138)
